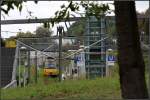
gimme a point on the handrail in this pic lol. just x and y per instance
(11, 84)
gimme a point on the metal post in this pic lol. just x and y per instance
(102, 71)
(24, 76)
(28, 66)
(107, 67)
(25, 65)
(78, 72)
(88, 58)
(35, 66)
(19, 60)
(60, 30)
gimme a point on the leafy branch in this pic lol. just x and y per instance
(64, 13)
(11, 4)
(91, 9)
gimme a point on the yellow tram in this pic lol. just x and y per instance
(50, 69)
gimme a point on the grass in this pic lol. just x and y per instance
(50, 89)
(106, 88)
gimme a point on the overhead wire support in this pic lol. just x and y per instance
(43, 20)
(60, 31)
(36, 20)
(36, 68)
(86, 47)
(32, 48)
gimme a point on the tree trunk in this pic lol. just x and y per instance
(130, 59)
(0, 59)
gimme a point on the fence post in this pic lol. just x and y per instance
(35, 66)
(28, 66)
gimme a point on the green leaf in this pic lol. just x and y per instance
(56, 12)
(62, 6)
(5, 11)
(20, 8)
(16, 4)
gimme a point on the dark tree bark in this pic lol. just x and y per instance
(130, 59)
(0, 51)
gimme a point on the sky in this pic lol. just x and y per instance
(44, 9)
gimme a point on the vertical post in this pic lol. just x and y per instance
(149, 61)
(101, 44)
(107, 67)
(78, 72)
(75, 67)
(19, 61)
(25, 65)
(28, 66)
(88, 58)
(35, 66)
(59, 30)
(24, 76)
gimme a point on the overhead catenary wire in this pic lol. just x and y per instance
(47, 48)
(33, 48)
(85, 47)
(67, 55)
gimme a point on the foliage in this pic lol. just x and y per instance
(43, 32)
(95, 9)
(111, 28)
(23, 34)
(64, 13)
(77, 29)
(144, 24)
(40, 32)
(91, 9)
(11, 4)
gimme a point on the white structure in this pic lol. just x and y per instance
(110, 61)
(81, 64)
(77, 66)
